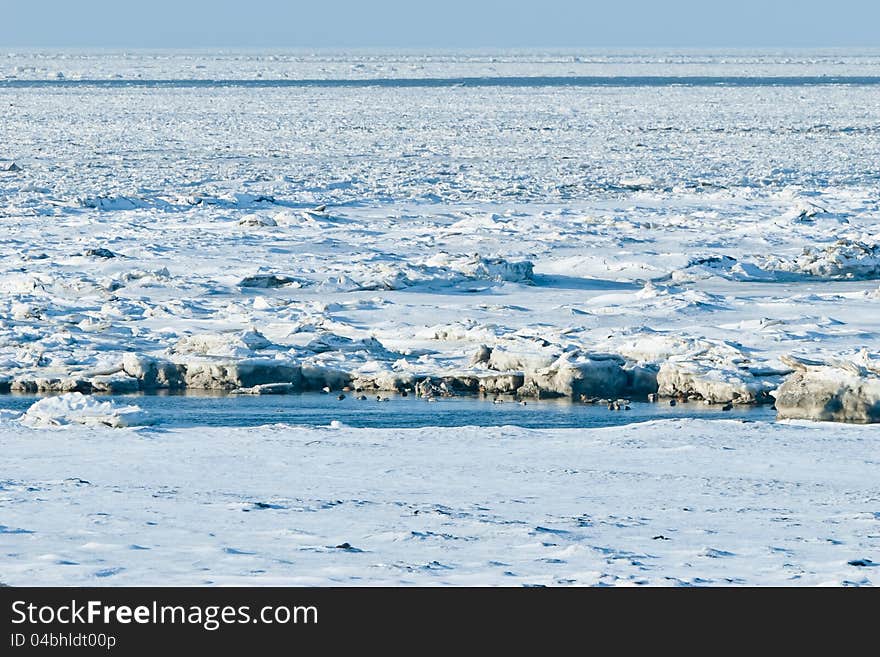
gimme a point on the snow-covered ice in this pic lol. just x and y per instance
(279, 222)
(76, 408)
(673, 502)
(701, 233)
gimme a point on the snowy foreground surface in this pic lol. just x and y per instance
(683, 502)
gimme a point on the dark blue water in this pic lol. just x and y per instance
(315, 409)
(512, 81)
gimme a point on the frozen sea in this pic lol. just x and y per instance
(705, 218)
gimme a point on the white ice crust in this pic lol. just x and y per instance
(75, 408)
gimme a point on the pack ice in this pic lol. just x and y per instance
(513, 239)
(713, 241)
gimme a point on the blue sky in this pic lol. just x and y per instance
(439, 24)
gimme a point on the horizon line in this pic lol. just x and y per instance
(454, 82)
(341, 49)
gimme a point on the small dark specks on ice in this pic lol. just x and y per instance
(717, 554)
(348, 547)
(265, 505)
(100, 253)
(548, 530)
(863, 563)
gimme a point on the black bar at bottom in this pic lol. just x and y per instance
(133, 620)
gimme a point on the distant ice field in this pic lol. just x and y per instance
(660, 221)
(374, 64)
(715, 209)
(486, 81)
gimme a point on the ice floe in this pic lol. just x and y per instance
(841, 391)
(846, 258)
(76, 408)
